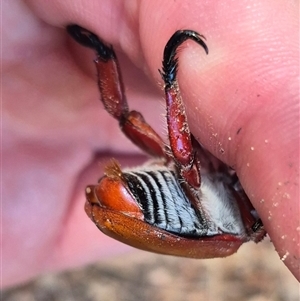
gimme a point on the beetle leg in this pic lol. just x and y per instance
(178, 129)
(113, 96)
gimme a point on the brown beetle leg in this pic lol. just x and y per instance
(178, 129)
(113, 96)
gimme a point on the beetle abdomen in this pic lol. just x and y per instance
(164, 203)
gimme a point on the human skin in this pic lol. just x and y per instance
(241, 101)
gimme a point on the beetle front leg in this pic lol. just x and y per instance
(178, 129)
(113, 96)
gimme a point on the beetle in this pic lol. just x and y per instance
(169, 205)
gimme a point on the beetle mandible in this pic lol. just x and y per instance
(168, 205)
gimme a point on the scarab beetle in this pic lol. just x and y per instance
(168, 205)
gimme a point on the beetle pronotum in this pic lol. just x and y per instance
(168, 205)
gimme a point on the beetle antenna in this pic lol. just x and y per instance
(170, 60)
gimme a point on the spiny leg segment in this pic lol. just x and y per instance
(132, 123)
(178, 129)
(113, 96)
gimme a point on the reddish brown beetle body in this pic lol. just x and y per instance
(166, 206)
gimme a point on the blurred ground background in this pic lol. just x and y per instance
(255, 273)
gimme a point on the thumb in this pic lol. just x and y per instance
(242, 102)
